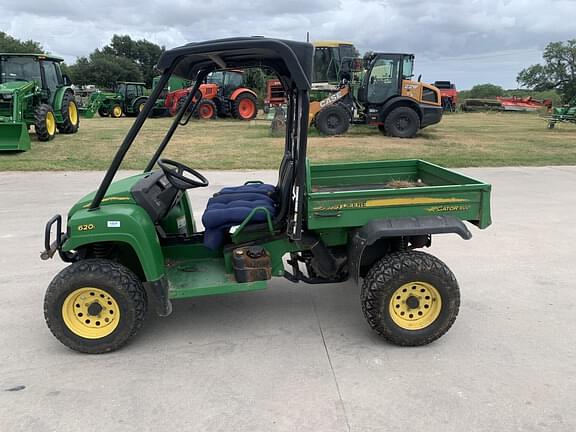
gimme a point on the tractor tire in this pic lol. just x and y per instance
(139, 107)
(103, 112)
(95, 306)
(70, 118)
(333, 120)
(402, 122)
(116, 111)
(206, 110)
(245, 107)
(410, 298)
(45, 122)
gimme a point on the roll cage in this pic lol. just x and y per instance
(292, 62)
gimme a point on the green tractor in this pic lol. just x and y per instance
(128, 98)
(34, 92)
(564, 114)
(133, 244)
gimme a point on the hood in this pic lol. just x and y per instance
(14, 86)
(119, 192)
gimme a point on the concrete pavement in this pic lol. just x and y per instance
(301, 358)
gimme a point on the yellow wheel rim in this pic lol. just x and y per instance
(90, 313)
(73, 113)
(117, 111)
(415, 305)
(50, 123)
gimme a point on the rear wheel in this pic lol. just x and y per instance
(95, 306)
(333, 120)
(206, 110)
(45, 122)
(70, 118)
(116, 111)
(410, 298)
(245, 107)
(402, 122)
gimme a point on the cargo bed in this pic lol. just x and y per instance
(352, 194)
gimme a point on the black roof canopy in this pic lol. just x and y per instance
(290, 59)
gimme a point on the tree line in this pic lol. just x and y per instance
(125, 59)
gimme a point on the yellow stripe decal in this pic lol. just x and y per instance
(113, 198)
(412, 201)
(388, 202)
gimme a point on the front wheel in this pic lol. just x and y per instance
(410, 298)
(95, 306)
(333, 120)
(45, 122)
(116, 111)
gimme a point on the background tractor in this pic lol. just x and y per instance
(449, 95)
(377, 91)
(34, 91)
(223, 94)
(128, 98)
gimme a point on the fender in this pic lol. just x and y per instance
(138, 100)
(364, 237)
(136, 230)
(241, 90)
(58, 98)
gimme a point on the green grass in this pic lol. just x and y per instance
(463, 139)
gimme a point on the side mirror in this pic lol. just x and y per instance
(419, 77)
(67, 80)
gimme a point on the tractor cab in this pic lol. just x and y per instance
(43, 70)
(332, 63)
(133, 96)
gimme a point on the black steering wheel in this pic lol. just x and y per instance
(174, 172)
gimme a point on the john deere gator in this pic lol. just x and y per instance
(34, 92)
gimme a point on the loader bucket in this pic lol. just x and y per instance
(86, 113)
(14, 137)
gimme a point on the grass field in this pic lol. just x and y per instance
(471, 139)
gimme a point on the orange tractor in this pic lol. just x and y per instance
(222, 95)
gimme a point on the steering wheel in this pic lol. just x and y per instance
(174, 172)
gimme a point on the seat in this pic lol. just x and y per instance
(220, 215)
(232, 205)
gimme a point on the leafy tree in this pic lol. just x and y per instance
(104, 70)
(144, 53)
(255, 79)
(557, 72)
(485, 91)
(12, 45)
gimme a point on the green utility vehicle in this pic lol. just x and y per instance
(34, 92)
(134, 243)
(128, 98)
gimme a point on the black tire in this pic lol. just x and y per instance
(333, 120)
(206, 110)
(70, 118)
(42, 125)
(106, 276)
(397, 270)
(245, 98)
(116, 111)
(551, 125)
(402, 122)
(103, 112)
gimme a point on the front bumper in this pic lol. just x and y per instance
(431, 114)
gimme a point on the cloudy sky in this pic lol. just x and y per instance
(468, 42)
